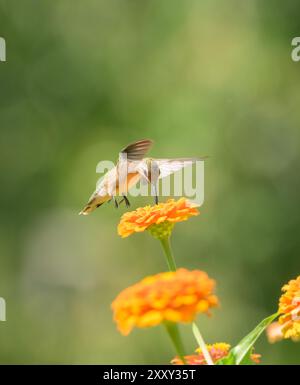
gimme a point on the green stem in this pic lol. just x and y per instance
(172, 328)
(202, 344)
(168, 253)
(174, 334)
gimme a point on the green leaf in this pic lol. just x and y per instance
(240, 354)
(247, 359)
(229, 360)
(201, 344)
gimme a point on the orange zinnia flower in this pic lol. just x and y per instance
(159, 219)
(173, 296)
(289, 307)
(216, 351)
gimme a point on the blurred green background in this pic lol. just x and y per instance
(83, 79)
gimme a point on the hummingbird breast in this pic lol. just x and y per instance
(125, 185)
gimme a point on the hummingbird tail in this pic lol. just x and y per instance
(93, 204)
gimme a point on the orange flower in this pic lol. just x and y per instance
(216, 351)
(173, 296)
(255, 358)
(160, 218)
(274, 332)
(289, 307)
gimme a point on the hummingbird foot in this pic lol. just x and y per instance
(127, 203)
(115, 202)
(125, 199)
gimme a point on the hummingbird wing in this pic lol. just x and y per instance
(169, 166)
(161, 168)
(136, 150)
(129, 159)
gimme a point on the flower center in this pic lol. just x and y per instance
(162, 230)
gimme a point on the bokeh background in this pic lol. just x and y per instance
(83, 79)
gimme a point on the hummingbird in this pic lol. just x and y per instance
(131, 168)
